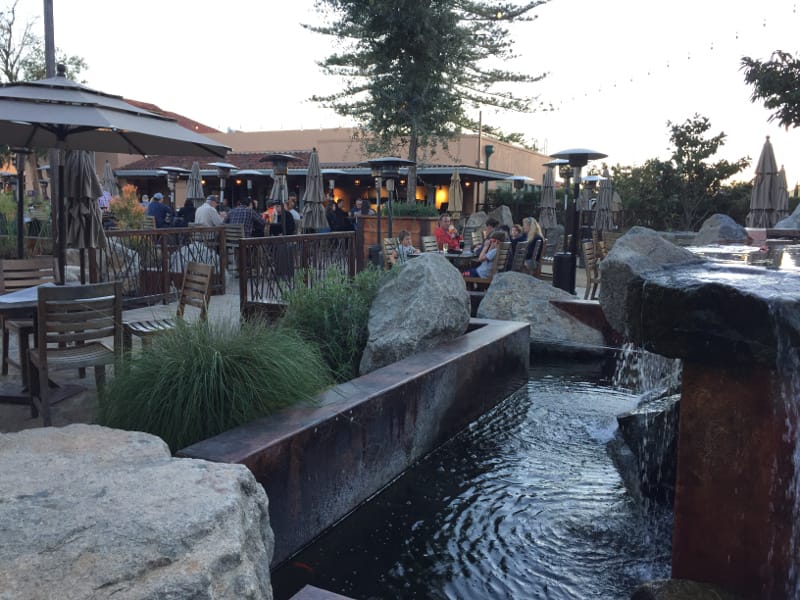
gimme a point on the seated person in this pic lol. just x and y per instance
(185, 213)
(488, 228)
(404, 249)
(282, 220)
(446, 233)
(159, 209)
(486, 257)
(245, 216)
(533, 232)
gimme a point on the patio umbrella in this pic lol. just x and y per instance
(602, 215)
(194, 185)
(82, 188)
(59, 113)
(109, 183)
(455, 195)
(782, 203)
(766, 190)
(547, 213)
(314, 196)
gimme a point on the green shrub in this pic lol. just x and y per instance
(334, 316)
(202, 379)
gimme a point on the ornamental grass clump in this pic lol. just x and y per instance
(203, 378)
(333, 315)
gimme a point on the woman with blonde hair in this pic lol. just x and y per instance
(533, 231)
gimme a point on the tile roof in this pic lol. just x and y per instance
(186, 122)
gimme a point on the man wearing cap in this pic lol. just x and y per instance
(245, 216)
(207, 215)
(159, 209)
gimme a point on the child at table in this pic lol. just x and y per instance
(404, 248)
(486, 257)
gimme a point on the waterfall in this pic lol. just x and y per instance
(642, 372)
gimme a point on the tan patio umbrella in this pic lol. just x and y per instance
(194, 185)
(547, 212)
(782, 204)
(109, 183)
(314, 196)
(455, 195)
(603, 220)
(766, 190)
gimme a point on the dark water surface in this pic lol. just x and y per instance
(526, 503)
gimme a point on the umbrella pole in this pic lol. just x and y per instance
(20, 204)
(62, 222)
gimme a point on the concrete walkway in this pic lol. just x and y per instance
(82, 408)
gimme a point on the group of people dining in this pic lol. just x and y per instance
(449, 238)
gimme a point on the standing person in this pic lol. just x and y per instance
(446, 234)
(159, 209)
(245, 216)
(207, 215)
(293, 211)
(533, 232)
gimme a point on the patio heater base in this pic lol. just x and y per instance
(564, 272)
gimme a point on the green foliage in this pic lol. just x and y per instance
(682, 192)
(334, 316)
(777, 83)
(410, 209)
(202, 379)
(411, 69)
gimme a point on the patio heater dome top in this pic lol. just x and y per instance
(278, 157)
(579, 157)
(556, 162)
(176, 170)
(253, 172)
(222, 165)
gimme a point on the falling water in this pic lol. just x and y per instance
(641, 372)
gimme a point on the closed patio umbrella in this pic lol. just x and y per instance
(782, 203)
(314, 196)
(547, 212)
(455, 195)
(82, 188)
(194, 185)
(764, 198)
(109, 183)
(603, 220)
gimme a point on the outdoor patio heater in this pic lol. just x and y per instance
(172, 179)
(387, 168)
(223, 171)
(280, 170)
(565, 263)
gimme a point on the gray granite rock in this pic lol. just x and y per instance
(790, 222)
(92, 512)
(503, 214)
(516, 296)
(720, 229)
(424, 304)
(682, 589)
(639, 251)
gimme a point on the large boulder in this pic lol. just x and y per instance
(637, 252)
(790, 222)
(92, 512)
(476, 220)
(720, 229)
(516, 296)
(424, 304)
(503, 214)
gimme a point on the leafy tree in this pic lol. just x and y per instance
(777, 83)
(698, 181)
(411, 68)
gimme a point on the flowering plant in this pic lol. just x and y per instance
(126, 208)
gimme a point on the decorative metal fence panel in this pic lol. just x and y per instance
(270, 266)
(150, 262)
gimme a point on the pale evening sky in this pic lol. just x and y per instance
(618, 69)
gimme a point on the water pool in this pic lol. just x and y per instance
(525, 503)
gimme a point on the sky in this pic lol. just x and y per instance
(617, 70)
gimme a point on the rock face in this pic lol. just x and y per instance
(720, 229)
(790, 222)
(682, 589)
(639, 251)
(424, 304)
(503, 214)
(92, 512)
(516, 296)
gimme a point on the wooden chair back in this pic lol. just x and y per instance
(389, 246)
(501, 258)
(196, 288)
(72, 315)
(610, 238)
(518, 261)
(19, 273)
(592, 269)
(429, 243)
(149, 222)
(477, 238)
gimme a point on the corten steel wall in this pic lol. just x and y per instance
(319, 463)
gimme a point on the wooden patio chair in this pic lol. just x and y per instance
(518, 260)
(195, 291)
(233, 234)
(429, 243)
(389, 246)
(72, 324)
(16, 274)
(592, 268)
(149, 222)
(499, 265)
